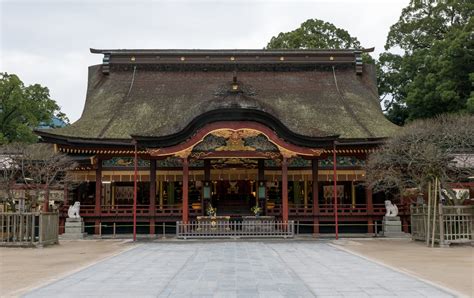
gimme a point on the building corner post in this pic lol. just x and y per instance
(284, 182)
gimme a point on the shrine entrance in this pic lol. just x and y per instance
(235, 154)
(234, 197)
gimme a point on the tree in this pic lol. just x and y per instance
(43, 169)
(434, 74)
(441, 149)
(23, 108)
(314, 34)
(10, 172)
(34, 168)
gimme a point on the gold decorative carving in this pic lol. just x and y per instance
(235, 139)
(286, 153)
(184, 153)
(235, 142)
(272, 155)
(153, 152)
(317, 152)
(199, 155)
(122, 162)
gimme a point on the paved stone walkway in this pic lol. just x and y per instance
(237, 269)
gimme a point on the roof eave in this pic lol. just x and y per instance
(230, 51)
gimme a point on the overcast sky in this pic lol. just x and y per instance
(48, 42)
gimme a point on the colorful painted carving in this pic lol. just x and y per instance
(342, 161)
(123, 162)
(235, 140)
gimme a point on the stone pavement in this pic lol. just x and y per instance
(237, 269)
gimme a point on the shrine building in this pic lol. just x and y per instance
(231, 129)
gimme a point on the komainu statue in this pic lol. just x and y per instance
(392, 209)
(73, 211)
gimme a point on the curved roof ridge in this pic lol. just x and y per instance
(125, 98)
(347, 107)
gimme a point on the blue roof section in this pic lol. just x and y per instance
(55, 123)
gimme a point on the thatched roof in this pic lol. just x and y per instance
(159, 99)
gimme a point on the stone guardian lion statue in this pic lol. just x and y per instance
(73, 211)
(392, 209)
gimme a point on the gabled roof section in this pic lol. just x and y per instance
(158, 93)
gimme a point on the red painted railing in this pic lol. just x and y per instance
(176, 210)
(127, 210)
(328, 209)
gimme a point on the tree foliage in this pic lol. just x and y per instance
(434, 74)
(442, 148)
(314, 34)
(22, 108)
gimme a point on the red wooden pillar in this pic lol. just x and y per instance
(334, 160)
(370, 209)
(284, 188)
(62, 219)
(135, 191)
(315, 191)
(152, 195)
(185, 190)
(262, 202)
(98, 195)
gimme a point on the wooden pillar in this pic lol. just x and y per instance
(152, 195)
(62, 220)
(284, 188)
(185, 190)
(315, 191)
(261, 170)
(261, 178)
(405, 224)
(160, 193)
(207, 178)
(135, 190)
(334, 160)
(207, 169)
(98, 195)
(370, 209)
(305, 192)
